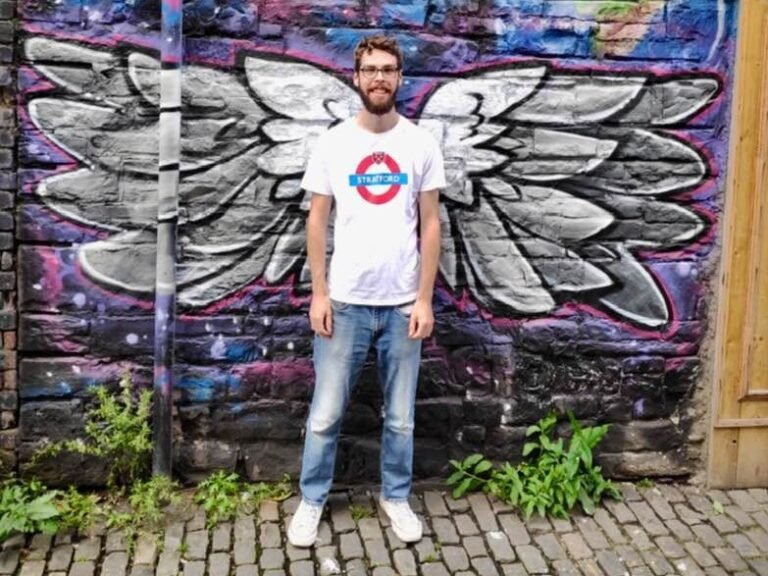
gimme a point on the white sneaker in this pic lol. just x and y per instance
(405, 524)
(302, 531)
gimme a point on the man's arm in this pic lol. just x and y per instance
(422, 318)
(320, 311)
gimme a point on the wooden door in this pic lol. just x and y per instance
(739, 441)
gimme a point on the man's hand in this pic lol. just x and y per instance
(422, 320)
(321, 315)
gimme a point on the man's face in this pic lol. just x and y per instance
(377, 80)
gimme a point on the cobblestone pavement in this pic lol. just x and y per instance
(655, 531)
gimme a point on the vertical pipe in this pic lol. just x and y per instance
(167, 220)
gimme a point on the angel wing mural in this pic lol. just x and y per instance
(556, 179)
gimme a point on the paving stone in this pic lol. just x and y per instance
(341, 518)
(168, 563)
(639, 537)
(426, 526)
(484, 566)
(271, 558)
(592, 533)
(275, 572)
(629, 556)
(435, 504)
(629, 492)
(16, 541)
(115, 564)
(500, 507)
(740, 517)
(561, 525)
(669, 547)
(405, 562)
(370, 529)
(610, 528)
(716, 571)
(32, 568)
(115, 542)
(59, 573)
(269, 536)
(538, 523)
(194, 568)
(648, 519)
(657, 563)
(475, 545)
(514, 570)
(576, 546)
(707, 535)
(743, 545)
(218, 564)
(394, 542)
(445, 531)
(745, 573)
(688, 515)
(680, 530)
(702, 504)
(532, 559)
(455, 558)
(222, 535)
(61, 557)
(324, 534)
(247, 570)
(720, 496)
(500, 547)
(723, 524)
(327, 559)
(641, 571)
(759, 537)
(670, 493)
(434, 569)
(39, 546)
(565, 568)
(377, 553)
(84, 568)
(620, 511)
(590, 567)
(687, 567)
(514, 529)
(460, 504)
(744, 500)
(174, 536)
(759, 565)
(700, 554)
(465, 525)
(762, 519)
(416, 504)
(729, 559)
(197, 545)
(659, 504)
(289, 505)
(610, 562)
(351, 546)
(484, 515)
(383, 571)
(295, 554)
(356, 567)
(9, 560)
(550, 546)
(426, 551)
(244, 549)
(302, 568)
(146, 549)
(198, 521)
(141, 570)
(759, 494)
(269, 511)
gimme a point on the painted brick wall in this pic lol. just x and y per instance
(585, 144)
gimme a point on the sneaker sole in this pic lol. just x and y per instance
(406, 539)
(299, 543)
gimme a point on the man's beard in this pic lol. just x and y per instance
(381, 108)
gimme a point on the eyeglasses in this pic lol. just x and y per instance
(387, 72)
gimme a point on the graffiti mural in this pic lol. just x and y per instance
(585, 147)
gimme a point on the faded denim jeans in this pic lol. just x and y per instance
(338, 362)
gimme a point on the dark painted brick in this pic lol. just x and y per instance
(7, 9)
(7, 318)
(6, 32)
(6, 241)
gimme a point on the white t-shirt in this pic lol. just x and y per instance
(375, 180)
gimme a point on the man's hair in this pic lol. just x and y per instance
(378, 42)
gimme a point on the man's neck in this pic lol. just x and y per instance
(377, 123)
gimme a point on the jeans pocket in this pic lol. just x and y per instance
(405, 310)
(339, 306)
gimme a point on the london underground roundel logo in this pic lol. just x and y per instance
(388, 175)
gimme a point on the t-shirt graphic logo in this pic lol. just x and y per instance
(392, 177)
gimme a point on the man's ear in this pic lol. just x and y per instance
(356, 80)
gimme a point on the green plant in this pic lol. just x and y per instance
(281, 490)
(553, 478)
(27, 507)
(117, 430)
(219, 494)
(645, 483)
(78, 511)
(359, 512)
(148, 498)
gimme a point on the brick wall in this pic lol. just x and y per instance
(580, 230)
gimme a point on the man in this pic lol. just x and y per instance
(383, 173)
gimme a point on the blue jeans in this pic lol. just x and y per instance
(338, 363)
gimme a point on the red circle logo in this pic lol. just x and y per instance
(362, 169)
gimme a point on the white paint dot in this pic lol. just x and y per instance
(266, 321)
(235, 320)
(49, 374)
(469, 370)
(79, 299)
(132, 338)
(208, 327)
(76, 369)
(37, 286)
(264, 350)
(290, 346)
